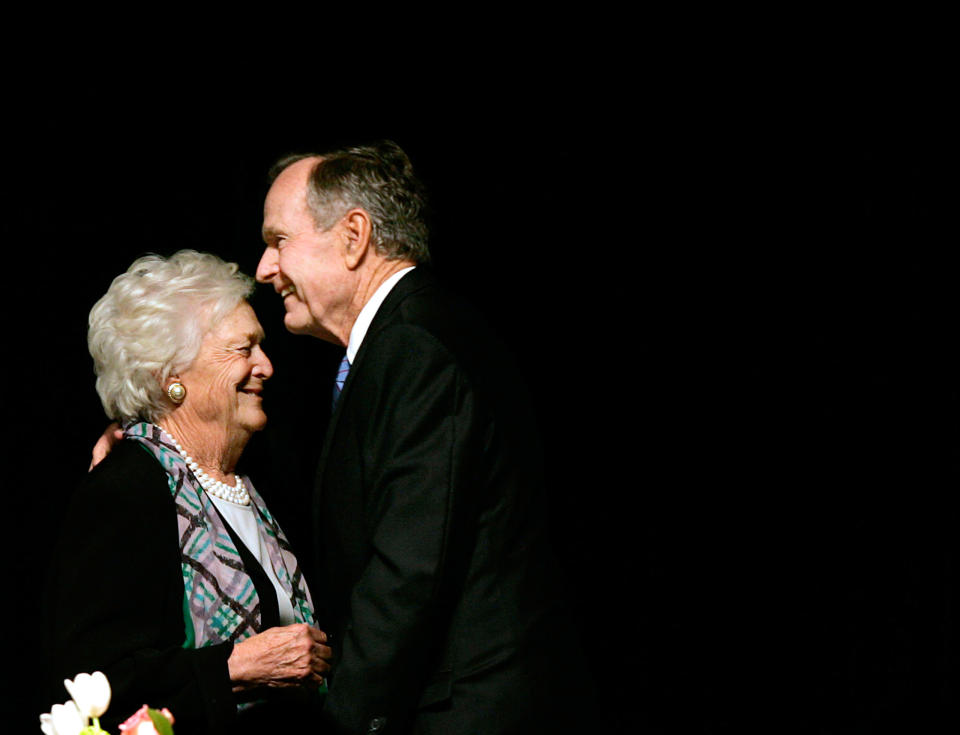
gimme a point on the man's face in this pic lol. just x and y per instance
(305, 266)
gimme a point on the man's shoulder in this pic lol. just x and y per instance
(431, 306)
(423, 321)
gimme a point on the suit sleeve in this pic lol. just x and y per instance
(114, 601)
(422, 437)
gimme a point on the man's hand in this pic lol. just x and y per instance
(293, 655)
(105, 443)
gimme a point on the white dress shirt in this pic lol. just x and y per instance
(369, 311)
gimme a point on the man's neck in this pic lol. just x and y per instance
(367, 286)
(378, 276)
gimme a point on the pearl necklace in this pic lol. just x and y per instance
(216, 488)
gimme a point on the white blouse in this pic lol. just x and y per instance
(242, 520)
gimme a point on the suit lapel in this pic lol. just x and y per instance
(416, 280)
(387, 314)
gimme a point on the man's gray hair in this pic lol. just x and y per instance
(150, 325)
(379, 179)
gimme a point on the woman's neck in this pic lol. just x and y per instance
(211, 447)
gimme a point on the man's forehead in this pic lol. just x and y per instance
(290, 185)
(297, 172)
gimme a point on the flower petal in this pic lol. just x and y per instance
(91, 692)
(46, 724)
(101, 693)
(66, 719)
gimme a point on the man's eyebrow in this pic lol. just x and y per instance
(269, 232)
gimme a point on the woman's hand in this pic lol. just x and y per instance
(293, 655)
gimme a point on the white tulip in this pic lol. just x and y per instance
(91, 692)
(64, 719)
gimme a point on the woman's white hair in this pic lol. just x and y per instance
(150, 324)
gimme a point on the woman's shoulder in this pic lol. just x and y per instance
(128, 474)
(123, 505)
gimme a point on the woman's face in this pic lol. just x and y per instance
(225, 381)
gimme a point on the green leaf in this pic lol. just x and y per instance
(160, 723)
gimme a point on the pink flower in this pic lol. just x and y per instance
(140, 722)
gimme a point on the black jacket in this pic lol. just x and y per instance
(440, 589)
(114, 602)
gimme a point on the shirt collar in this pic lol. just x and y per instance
(369, 311)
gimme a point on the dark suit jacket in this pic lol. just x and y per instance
(440, 590)
(114, 603)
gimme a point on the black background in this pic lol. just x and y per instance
(732, 296)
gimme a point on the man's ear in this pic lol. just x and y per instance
(358, 228)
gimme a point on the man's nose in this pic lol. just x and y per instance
(267, 267)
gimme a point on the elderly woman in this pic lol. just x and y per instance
(171, 575)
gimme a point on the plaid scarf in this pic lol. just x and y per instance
(220, 601)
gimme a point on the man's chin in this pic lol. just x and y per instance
(308, 328)
(295, 325)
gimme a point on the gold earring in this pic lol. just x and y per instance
(177, 392)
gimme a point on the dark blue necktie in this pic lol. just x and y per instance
(341, 378)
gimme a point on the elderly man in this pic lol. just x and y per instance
(438, 588)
